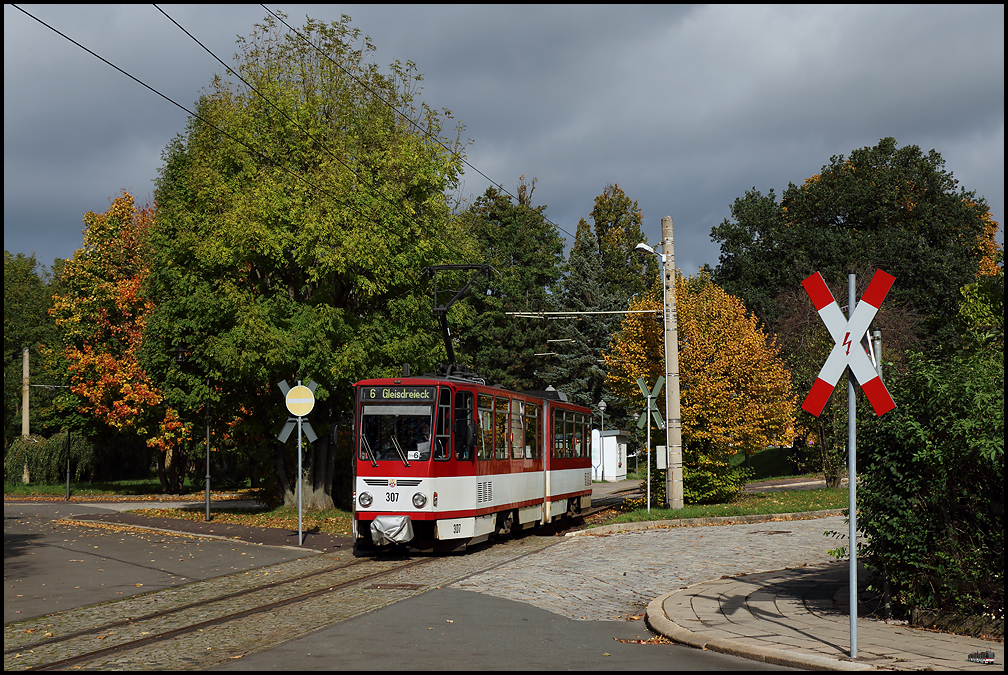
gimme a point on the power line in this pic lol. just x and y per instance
(406, 117)
(190, 112)
(307, 133)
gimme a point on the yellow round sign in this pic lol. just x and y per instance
(300, 401)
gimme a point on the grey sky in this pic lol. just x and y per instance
(685, 107)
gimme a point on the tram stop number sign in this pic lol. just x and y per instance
(300, 401)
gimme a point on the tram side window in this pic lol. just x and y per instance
(531, 427)
(463, 414)
(578, 434)
(502, 410)
(517, 429)
(484, 430)
(557, 443)
(442, 428)
(569, 434)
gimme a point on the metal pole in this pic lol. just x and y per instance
(25, 426)
(647, 411)
(207, 494)
(68, 465)
(673, 427)
(852, 480)
(300, 535)
(602, 442)
(886, 589)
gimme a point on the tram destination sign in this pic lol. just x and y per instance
(399, 394)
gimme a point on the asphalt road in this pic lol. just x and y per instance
(452, 629)
(51, 567)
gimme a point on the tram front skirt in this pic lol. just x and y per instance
(391, 530)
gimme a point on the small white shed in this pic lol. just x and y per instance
(609, 455)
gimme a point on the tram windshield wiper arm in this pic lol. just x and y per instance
(370, 453)
(402, 455)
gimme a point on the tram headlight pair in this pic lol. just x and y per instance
(365, 499)
(419, 500)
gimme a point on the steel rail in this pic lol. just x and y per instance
(191, 628)
(180, 608)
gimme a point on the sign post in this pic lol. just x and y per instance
(650, 411)
(300, 401)
(845, 333)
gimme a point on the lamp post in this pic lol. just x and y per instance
(673, 428)
(602, 407)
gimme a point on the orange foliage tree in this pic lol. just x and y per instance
(735, 391)
(103, 314)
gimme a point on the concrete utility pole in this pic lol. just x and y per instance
(673, 429)
(25, 429)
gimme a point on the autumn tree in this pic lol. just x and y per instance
(735, 389)
(103, 311)
(295, 215)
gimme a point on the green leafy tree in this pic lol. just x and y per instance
(526, 252)
(603, 274)
(931, 498)
(26, 299)
(294, 217)
(884, 207)
(618, 222)
(896, 209)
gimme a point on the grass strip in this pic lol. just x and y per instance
(765, 503)
(331, 521)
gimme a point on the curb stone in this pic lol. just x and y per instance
(660, 623)
(710, 520)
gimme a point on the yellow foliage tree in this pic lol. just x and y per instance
(735, 389)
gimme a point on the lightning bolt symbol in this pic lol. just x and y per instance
(847, 342)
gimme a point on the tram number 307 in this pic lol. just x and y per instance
(391, 496)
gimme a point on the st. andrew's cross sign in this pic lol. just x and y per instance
(848, 332)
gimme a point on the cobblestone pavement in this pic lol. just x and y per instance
(615, 576)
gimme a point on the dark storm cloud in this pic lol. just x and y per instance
(685, 107)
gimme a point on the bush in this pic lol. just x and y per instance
(46, 459)
(707, 479)
(931, 498)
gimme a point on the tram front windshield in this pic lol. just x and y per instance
(399, 433)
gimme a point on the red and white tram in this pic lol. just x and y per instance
(444, 461)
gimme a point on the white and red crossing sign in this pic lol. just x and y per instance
(847, 333)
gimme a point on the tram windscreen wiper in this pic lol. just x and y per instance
(402, 455)
(370, 453)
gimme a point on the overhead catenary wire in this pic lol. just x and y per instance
(194, 114)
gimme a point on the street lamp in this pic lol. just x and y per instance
(180, 353)
(673, 428)
(602, 407)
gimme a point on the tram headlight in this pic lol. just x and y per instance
(419, 500)
(365, 499)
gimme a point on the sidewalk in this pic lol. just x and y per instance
(799, 617)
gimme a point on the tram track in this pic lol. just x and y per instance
(39, 655)
(223, 623)
(164, 613)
